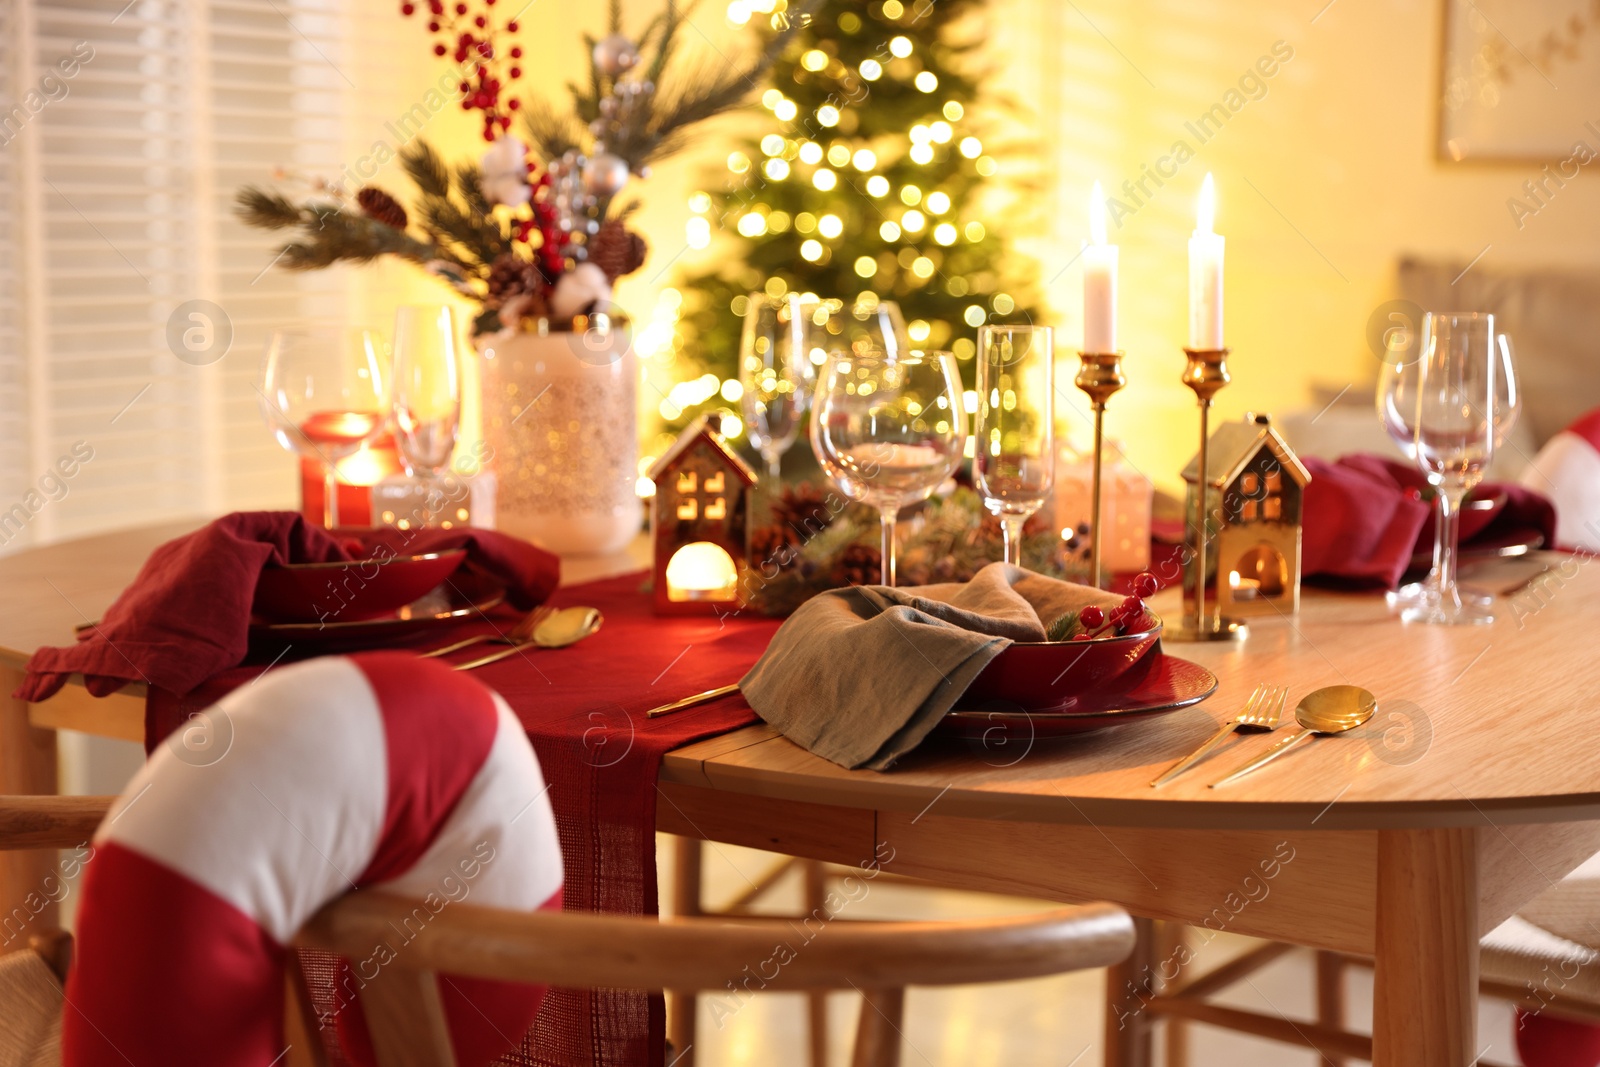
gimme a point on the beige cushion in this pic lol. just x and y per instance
(1552, 315)
(1552, 946)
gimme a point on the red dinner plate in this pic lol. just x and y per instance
(1158, 685)
(1032, 674)
(349, 590)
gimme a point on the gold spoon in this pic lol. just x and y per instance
(1330, 710)
(565, 627)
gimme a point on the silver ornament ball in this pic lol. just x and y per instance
(605, 175)
(615, 55)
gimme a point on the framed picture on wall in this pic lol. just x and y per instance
(1520, 80)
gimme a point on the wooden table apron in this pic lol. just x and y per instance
(1477, 787)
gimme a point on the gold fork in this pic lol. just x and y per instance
(521, 632)
(1261, 712)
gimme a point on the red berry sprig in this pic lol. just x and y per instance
(1130, 616)
(469, 39)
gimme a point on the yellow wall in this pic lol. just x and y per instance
(1322, 185)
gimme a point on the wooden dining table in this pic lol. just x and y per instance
(1475, 787)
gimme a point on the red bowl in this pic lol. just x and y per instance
(348, 590)
(1053, 675)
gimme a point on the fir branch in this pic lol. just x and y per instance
(553, 133)
(452, 227)
(614, 16)
(480, 213)
(333, 235)
(425, 167)
(266, 210)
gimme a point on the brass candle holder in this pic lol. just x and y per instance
(1099, 375)
(1206, 373)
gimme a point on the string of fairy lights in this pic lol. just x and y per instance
(916, 220)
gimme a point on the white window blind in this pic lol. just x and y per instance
(117, 176)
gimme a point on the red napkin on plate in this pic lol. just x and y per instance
(187, 614)
(1366, 518)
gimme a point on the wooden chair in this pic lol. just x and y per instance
(406, 1019)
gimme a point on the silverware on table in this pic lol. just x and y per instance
(518, 634)
(1330, 710)
(1261, 712)
(560, 629)
(691, 701)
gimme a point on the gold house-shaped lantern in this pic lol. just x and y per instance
(1254, 506)
(699, 523)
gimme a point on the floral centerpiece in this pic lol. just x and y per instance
(536, 240)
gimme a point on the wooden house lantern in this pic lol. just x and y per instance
(699, 523)
(1254, 507)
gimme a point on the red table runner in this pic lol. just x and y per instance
(583, 708)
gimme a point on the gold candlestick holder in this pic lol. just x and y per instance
(1099, 375)
(1205, 374)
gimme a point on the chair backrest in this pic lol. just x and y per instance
(747, 955)
(407, 1019)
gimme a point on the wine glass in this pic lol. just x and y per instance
(426, 392)
(873, 326)
(1455, 438)
(1396, 396)
(322, 394)
(1013, 457)
(775, 369)
(888, 430)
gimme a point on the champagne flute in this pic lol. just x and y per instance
(1398, 378)
(775, 369)
(1013, 457)
(1455, 438)
(888, 430)
(427, 393)
(321, 392)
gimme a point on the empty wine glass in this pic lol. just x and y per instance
(873, 326)
(888, 430)
(322, 393)
(775, 369)
(1013, 456)
(427, 392)
(1455, 438)
(1398, 377)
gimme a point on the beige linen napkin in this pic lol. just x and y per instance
(860, 675)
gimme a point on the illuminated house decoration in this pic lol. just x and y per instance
(699, 523)
(1254, 506)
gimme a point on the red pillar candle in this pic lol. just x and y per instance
(356, 476)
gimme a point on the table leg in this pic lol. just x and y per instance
(1425, 1002)
(1330, 998)
(1173, 942)
(686, 887)
(29, 882)
(816, 896)
(1129, 986)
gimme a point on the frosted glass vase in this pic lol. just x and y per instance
(560, 424)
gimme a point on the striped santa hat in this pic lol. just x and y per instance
(1567, 470)
(378, 769)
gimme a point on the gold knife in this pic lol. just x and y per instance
(689, 702)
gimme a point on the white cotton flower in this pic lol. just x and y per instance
(505, 173)
(580, 287)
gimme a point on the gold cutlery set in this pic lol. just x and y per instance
(542, 628)
(1330, 710)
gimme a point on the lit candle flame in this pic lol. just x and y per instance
(1205, 215)
(1233, 579)
(1097, 215)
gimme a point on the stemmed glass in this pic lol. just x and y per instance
(775, 369)
(1398, 378)
(1013, 457)
(875, 327)
(1455, 438)
(888, 430)
(427, 392)
(322, 394)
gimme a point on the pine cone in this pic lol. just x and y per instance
(616, 250)
(381, 207)
(510, 275)
(860, 565)
(769, 545)
(801, 510)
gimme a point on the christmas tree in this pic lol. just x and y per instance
(867, 187)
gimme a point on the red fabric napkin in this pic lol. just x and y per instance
(187, 614)
(583, 708)
(1365, 518)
